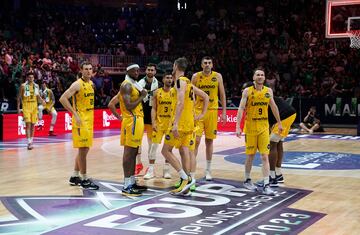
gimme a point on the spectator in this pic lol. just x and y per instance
(311, 122)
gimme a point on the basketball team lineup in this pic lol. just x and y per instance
(180, 117)
(177, 114)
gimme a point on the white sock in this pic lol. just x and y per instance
(266, 180)
(183, 175)
(83, 176)
(75, 173)
(272, 174)
(278, 170)
(29, 140)
(132, 179)
(192, 174)
(247, 175)
(127, 182)
(51, 128)
(208, 165)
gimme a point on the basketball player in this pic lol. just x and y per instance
(151, 84)
(255, 101)
(132, 127)
(29, 97)
(49, 98)
(181, 132)
(287, 116)
(162, 105)
(82, 109)
(211, 83)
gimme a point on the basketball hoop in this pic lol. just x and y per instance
(354, 38)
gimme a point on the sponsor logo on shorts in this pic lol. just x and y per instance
(268, 146)
(191, 142)
(167, 137)
(215, 132)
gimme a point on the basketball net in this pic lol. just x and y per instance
(354, 38)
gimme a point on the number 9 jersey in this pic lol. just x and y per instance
(257, 111)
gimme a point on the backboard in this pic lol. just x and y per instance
(341, 16)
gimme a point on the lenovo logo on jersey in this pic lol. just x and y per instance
(21, 126)
(68, 122)
(107, 118)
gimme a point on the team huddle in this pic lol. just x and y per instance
(177, 113)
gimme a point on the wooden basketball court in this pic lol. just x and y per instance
(45, 170)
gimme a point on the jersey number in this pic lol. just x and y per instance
(260, 111)
(91, 101)
(208, 93)
(166, 109)
(191, 94)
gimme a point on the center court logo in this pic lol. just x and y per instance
(107, 118)
(308, 160)
(220, 207)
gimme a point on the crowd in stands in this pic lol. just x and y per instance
(286, 37)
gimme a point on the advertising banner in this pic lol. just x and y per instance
(14, 125)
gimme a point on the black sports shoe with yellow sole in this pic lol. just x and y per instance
(140, 188)
(131, 191)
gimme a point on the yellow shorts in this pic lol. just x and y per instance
(286, 124)
(49, 110)
(207, 124)
(30, 116)
(259, 142)
(132, 131)
(82, 137)
(157, 136)
(186, 139)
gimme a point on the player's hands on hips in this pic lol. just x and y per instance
(78, 120)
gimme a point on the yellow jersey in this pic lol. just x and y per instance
(186, 121)
(29, 99)
(164, 108)
(48, 95)
(210, 85)
(83, 103)
(135, 94)
(257, 111)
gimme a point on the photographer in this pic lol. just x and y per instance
(311, 122)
